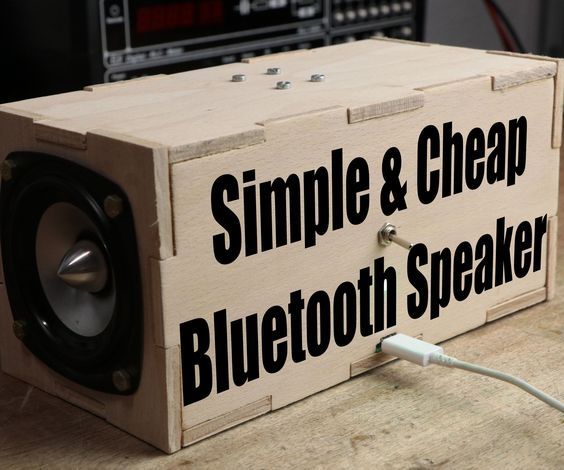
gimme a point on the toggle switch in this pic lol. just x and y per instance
(388, 234)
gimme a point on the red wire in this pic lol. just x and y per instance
(500, 27)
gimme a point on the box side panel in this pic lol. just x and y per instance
(196, 285)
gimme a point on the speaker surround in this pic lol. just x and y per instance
(47, 205)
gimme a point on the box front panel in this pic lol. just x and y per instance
(278, 297)
(135, 171)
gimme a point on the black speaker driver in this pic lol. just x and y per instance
(72, 271)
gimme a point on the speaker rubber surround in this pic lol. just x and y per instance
(38, 182)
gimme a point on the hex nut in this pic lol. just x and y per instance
(113, 206)
(19, 328)
(317, 77)
(283, 85)
(121, 380)
(7, 170)
(385, 234)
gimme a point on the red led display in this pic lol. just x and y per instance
(187, 14)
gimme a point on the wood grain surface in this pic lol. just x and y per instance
(397, 416)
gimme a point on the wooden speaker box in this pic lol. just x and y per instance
(183, 253)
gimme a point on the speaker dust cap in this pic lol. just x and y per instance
(72, 271)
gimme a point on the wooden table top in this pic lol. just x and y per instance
(398, 416)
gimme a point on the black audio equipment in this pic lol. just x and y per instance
(60, 45)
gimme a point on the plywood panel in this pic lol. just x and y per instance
(143, 175)
(196, 285)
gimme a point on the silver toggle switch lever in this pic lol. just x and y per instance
(389, 234)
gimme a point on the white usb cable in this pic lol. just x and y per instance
(422, 353)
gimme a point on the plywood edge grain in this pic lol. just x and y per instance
(219, 144)
(63, 137)
(143, 167)
(386, 108)
(163, 194)
(78, 399)
(552, 248)
(153, 412)
(370, 362)
(16, 127)
(275, 56)
(20, 112)
(401, 41)
(49, 130)
(521, 55)
(518, 303)
(156, 290)
(125, 138)
(105, 86)
(520, 77)
(457, 81)
(547, 70)
(558, 105)
(226, 421)
(173, 399)
(558, 90)
(6, 332)
(289, 117)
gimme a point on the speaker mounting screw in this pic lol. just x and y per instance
(121, 380)
(113, 206)
(7, 170)
(20, 329)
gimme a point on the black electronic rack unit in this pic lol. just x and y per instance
(60, 45)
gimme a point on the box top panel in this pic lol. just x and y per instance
(189, 112)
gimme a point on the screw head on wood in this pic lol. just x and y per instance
(7, 170)
(273, 71)
(239, 77)
(284, 85)
(113, 206)
(317, 77)
(121, 380)
(19, 328)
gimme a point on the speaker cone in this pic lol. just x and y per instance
(71, 271)
(72, 266)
